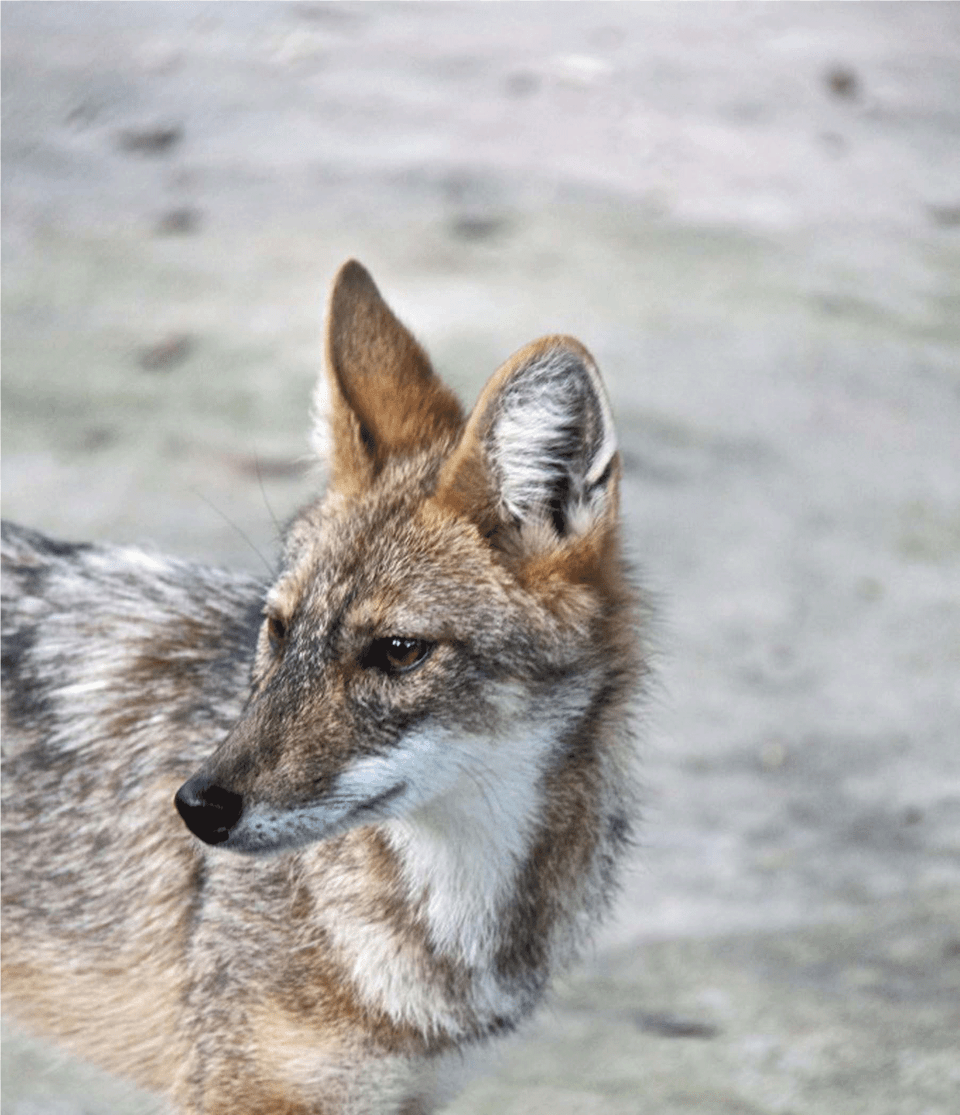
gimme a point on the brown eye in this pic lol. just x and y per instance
(276, 633)
(395, 654)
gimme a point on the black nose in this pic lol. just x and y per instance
(208, 810)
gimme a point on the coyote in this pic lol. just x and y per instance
(290, 849)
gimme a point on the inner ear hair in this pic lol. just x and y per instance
(550, 441)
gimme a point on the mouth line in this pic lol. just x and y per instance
(245, 845)
(378, 801)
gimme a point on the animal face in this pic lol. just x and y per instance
(442, 611)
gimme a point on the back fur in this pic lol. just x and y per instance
(407, 761)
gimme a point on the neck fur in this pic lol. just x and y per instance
(456, 864)
(459, 857)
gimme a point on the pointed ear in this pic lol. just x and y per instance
(539, 449)
(378, 396)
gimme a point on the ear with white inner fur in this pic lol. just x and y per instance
(378, 396)
(539, 448)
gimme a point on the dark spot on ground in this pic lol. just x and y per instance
(268, 468)
(842, 82)
(475, 227)
(946, 216)
(158, 139)
(98, 437)
(671, 1026)
(521, 84)
(179, 222)
(166, 354)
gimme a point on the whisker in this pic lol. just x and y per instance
(243, 534)
(263, 492)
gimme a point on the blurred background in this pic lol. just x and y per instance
(751, 215)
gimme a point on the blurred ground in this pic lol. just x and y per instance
(751, 215)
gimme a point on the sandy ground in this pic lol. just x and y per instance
(751, 215)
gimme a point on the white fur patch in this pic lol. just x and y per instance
(466, 828)
(474, 804)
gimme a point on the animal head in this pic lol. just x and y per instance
(447, 612)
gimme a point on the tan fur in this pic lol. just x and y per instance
(408, 759)
(386, 399)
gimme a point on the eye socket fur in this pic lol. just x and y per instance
(396, 654)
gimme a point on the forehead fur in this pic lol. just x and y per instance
(408, 563)
(386, 535)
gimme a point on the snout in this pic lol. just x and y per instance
(208, 810)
